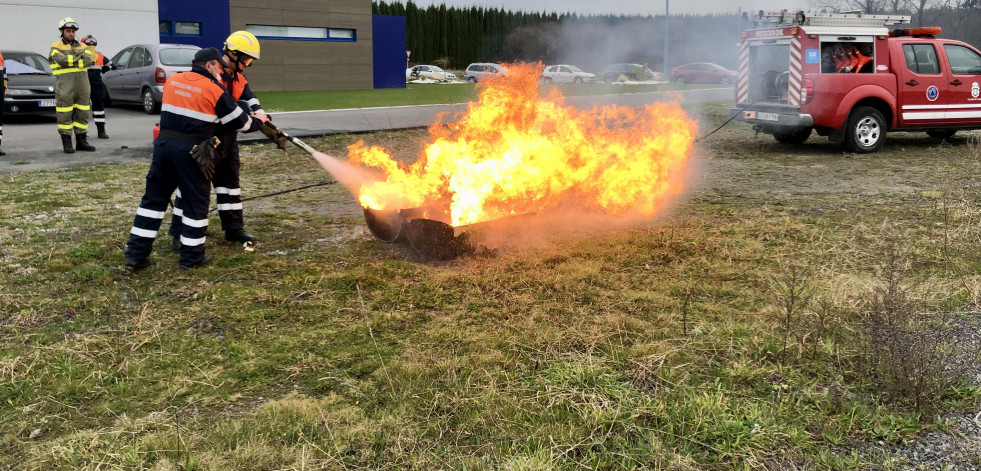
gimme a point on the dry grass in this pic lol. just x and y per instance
(727, 333)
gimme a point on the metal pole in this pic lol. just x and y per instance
(666, 15)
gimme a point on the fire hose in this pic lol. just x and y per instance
(278, 135)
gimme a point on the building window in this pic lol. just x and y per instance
(164, 27)
(341, 34)
(301, 33)
(187, 28)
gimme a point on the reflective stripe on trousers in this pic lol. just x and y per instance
(171, 168)
(72, 102)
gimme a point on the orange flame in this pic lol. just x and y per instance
(515, 153)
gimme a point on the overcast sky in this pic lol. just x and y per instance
(626, 7)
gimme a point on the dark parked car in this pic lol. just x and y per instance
(31, 84)
(702, 72)
(139, 72)
(633, 72)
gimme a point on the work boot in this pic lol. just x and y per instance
(239, 235)
(136, 264)
(175, 244)
(82, 143)
(66, 141)
(206, 259)
(102, 130)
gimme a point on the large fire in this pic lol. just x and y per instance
(515, 153)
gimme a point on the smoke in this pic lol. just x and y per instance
(592, 43)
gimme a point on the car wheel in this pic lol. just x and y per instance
(725, 81)
(150, 104)
(793, 136)
(865, 131)
(680, 79)
(941, 134)
(472, 79)
(577, 80)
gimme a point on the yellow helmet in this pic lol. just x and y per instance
(244, 42)
(68, 22)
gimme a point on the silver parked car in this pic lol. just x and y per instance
(480, 70)
(566, 74)
(139, 72)
(431, 72)
(31, 85)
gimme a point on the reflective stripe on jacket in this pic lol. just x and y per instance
(71, 57)
(238, 87)
(195, 103)
(100, 61)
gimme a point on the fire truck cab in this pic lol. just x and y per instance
(850, 78)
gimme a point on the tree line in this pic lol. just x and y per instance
(453, 37)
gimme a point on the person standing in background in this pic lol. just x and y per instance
(69, 60)
(3, 92)
(102, 65)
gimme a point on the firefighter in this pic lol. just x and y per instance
(194, 105)
(241, 49)
(102, 65)
(3, 92)
(69, 60)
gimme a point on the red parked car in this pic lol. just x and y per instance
(703, 72)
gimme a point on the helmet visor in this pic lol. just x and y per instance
(70, 24)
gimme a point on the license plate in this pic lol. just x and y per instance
(768, 116)
(46, 103)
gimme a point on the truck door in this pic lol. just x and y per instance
(964, 102)
(923, 89)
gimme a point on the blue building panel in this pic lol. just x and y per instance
(389, 51)
(191, 22)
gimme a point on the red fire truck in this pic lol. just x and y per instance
(850, 78)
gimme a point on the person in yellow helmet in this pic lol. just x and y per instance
(70, 61)
(241, 50)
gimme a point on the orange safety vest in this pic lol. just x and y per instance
(100, 60)
(237, 86)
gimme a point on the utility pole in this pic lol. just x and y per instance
(666, 16)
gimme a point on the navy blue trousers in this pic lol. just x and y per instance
(172, 168)
(228, 191)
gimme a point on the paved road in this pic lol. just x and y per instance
(32, 142)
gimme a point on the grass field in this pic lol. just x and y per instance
(731, 332)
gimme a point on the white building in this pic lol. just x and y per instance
(32, 25)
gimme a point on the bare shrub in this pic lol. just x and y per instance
(792, 289)
(904, 343)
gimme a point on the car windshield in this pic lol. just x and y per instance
(34, 61)
(177, 56)
(435, 69)
(575, 69)
(16, 68)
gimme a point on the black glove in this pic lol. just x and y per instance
(204, 155)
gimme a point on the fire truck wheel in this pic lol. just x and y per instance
(865, 131)
(795, 136)
(941, 134)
